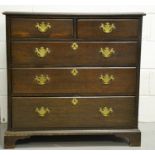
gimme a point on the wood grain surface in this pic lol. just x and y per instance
(61, 54)
(63, 114)
(63, 83)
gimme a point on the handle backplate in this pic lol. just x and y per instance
(43, 27)
(107, 27)
(42, 111)
(107, 52)
(105, 111)
(42, 79)
(106, 79)
(42, 51)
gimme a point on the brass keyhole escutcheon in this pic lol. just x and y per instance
(74, 46)
(74, 72)
(74, 101)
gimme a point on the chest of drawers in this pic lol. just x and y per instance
(73, 75)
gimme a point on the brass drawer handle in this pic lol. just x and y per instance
(43, 27)
(105, 111)
(74, 46)
(74, 72)
(107, 27)
(107, 52)
(42, 51)
(106, 79)
(42, 79)
(74, 101)
(42, 111)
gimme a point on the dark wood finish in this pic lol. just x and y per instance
(9, 75)
(62, 82)
(126, 40)
(87, 54)
(85, 114)
(132, 136)
(138, 67)
(134, 139)
(25, 28)
(90, 29)
(10, 141)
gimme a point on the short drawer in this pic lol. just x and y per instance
(42, 28)
(68, 54)
(108, 29)
(43, 113)
(74, 81)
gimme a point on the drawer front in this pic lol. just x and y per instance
(43, 113)
(47, 54)
(107, 29)
(74, 81)
(42, 28)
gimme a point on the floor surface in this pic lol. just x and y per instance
(148, 142)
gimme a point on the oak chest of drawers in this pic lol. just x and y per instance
(73, 75)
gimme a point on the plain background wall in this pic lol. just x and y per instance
(147, 81)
